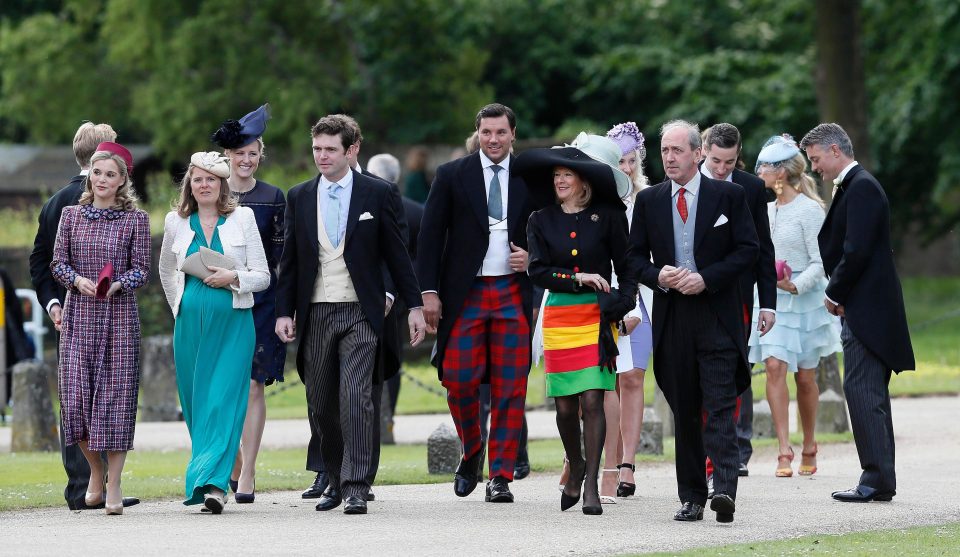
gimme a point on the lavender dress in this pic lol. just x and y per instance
(99, 371)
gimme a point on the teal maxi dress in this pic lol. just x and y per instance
(213, 346)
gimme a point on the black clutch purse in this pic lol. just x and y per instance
(613, 305)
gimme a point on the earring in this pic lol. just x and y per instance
(778, 187)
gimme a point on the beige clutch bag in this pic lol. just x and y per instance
(197, 263)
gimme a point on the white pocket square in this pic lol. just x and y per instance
(721, 220)
(366, 216)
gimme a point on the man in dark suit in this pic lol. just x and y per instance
(472, 264)
(864, 291)
(691, 241)
(721, 155)
(51, 294)
(386, 166)
(339, 226)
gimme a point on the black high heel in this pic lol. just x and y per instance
(626, 489)
(246, 497)
(567, 501)
(233, 484)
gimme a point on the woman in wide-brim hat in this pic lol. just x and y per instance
(575, 241)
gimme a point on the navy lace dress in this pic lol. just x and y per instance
(268, 206)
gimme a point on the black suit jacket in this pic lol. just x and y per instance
(858, 259)
(454, 236)
(49, 221)
(393, 337)
(722, 254)
(367, 244)
(764, 272)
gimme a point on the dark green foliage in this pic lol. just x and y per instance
(167, 72)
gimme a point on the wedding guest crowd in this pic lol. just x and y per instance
(699, 272)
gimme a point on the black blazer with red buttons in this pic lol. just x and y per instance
(591, 241)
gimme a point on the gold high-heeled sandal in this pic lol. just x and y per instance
(785, 470)
(808, 469)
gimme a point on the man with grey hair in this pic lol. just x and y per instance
(865, 292)
(51, 294)
(699, 350)
(385, 166)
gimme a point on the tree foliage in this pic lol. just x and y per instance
(168, 72)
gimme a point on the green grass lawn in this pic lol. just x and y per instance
(909, 542)
(29, 480)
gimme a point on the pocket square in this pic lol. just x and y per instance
(366, 216)
(721, 220)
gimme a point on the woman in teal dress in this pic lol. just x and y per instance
(214, 336)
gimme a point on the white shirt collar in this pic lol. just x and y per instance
(344, 182)
(485, 161)
(843, 173)
(693, 186)
(85, 171)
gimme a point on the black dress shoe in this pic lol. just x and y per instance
(319, 485)
(354, 505)
(743, 471)
(723, 505)
(521, 468)
(468, 474)
(82, 506)
(710, 486)
(371, 496)
(689, 512)
(862, 494)
(498, 491)
(330, 499)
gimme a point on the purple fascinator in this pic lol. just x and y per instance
(628, 137)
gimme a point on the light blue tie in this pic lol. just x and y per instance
(331, 217)
(495, 200)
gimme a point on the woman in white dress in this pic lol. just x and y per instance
(623, 407)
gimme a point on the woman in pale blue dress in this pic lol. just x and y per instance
(805, 332)
(214, 336)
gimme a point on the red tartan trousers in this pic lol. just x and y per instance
(491, 335)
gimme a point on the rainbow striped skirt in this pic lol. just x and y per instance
(571, 353)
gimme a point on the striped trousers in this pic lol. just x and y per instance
(340, 354)
(697, 360)
(865, 385)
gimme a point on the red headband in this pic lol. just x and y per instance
(120, 150)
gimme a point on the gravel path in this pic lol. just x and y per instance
(429, 520)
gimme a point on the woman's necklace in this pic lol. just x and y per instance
(210, 225)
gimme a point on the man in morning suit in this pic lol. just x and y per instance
(388, 356)
(50, 293)
(691, 241)
(340, 227)
(721, 154)
(472, 264)
(864, 291)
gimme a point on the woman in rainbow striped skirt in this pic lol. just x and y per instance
(575, 241)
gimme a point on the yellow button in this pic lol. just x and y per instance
(573, 252)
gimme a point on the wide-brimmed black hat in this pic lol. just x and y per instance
(536, 166)
(232, 134)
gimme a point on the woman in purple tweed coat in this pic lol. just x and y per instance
(99, 371)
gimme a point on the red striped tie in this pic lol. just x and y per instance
(682, 205)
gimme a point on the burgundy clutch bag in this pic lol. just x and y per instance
(104, 280)
(783, 270)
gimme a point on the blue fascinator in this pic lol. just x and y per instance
(776, 150)
(232, 134)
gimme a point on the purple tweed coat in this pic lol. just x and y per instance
(99, 371)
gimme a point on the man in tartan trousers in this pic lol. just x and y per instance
(472, 265)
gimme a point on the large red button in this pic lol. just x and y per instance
(576, 269)
(573, 234)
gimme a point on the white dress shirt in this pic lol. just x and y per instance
(496, 262)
